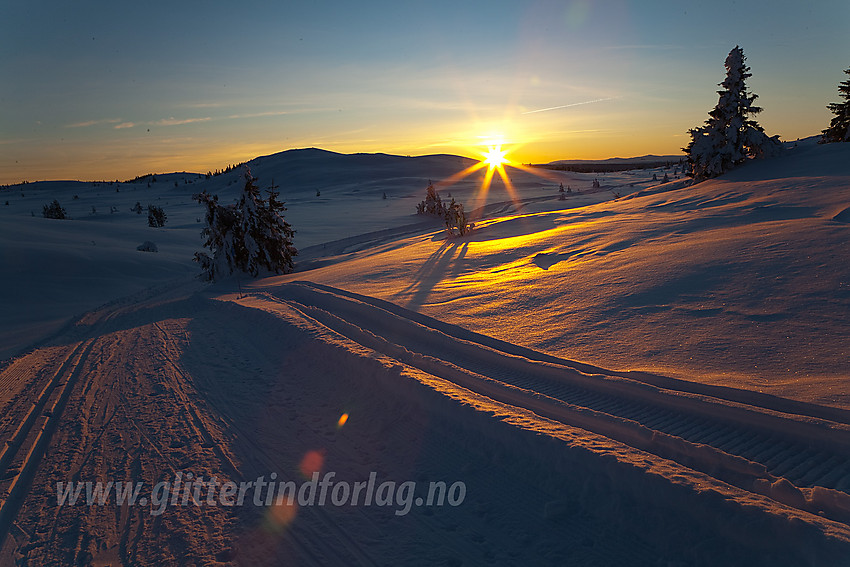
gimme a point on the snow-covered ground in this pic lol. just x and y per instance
(742, 280)
(657, 379)
(61, 268)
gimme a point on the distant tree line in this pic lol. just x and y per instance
(605, 167)
(227, 169)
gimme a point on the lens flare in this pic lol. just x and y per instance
(312, 462)
(281, 514)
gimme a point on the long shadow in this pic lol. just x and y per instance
(439, 263)
(177, 299)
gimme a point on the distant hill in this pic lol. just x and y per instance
(319, 169)
(610, 164)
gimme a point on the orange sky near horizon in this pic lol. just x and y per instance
(101, 93)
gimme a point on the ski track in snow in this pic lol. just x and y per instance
(593, 468)
(745, 445)
(798, 460)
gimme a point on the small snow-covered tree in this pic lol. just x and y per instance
(730, 136)
(456, 220)
(247, 236)
(839, 126)
(432, 205)
(219, 231)
(54, 211)
(156, 216)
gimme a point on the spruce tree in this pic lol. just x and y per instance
(53, 211)
(455, 218)
(839, 126)
(433, 204)
(156, 216)
(267, 236)
(730, 136)
(248, 236)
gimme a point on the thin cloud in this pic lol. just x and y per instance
(662, 46)
(568, 105)
(204, 105)
(178, 121)
(88, 123)
(258, 114)
(163, 122)
(279, 113)
(118, 124)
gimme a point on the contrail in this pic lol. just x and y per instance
(568, 105)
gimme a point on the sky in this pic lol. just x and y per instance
(109, 90)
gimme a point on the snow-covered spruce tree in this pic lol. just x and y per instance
(839, 126)
(156, 216)
(54, 211)
(432, 205)
(219, 231)
(456, 219)
(267, 236)
(247, 236)
(729, 136)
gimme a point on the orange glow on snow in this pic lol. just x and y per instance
(342, 419)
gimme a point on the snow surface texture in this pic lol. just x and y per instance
(741, 280)
(453, 360)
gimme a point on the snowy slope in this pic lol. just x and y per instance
(64, 267)
(560, 465)
(741, 280)
(397, 352)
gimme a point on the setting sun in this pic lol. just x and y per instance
(495, 157)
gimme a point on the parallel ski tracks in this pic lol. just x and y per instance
(23, 450)
(738, 443)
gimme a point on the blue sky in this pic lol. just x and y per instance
(102, 90)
